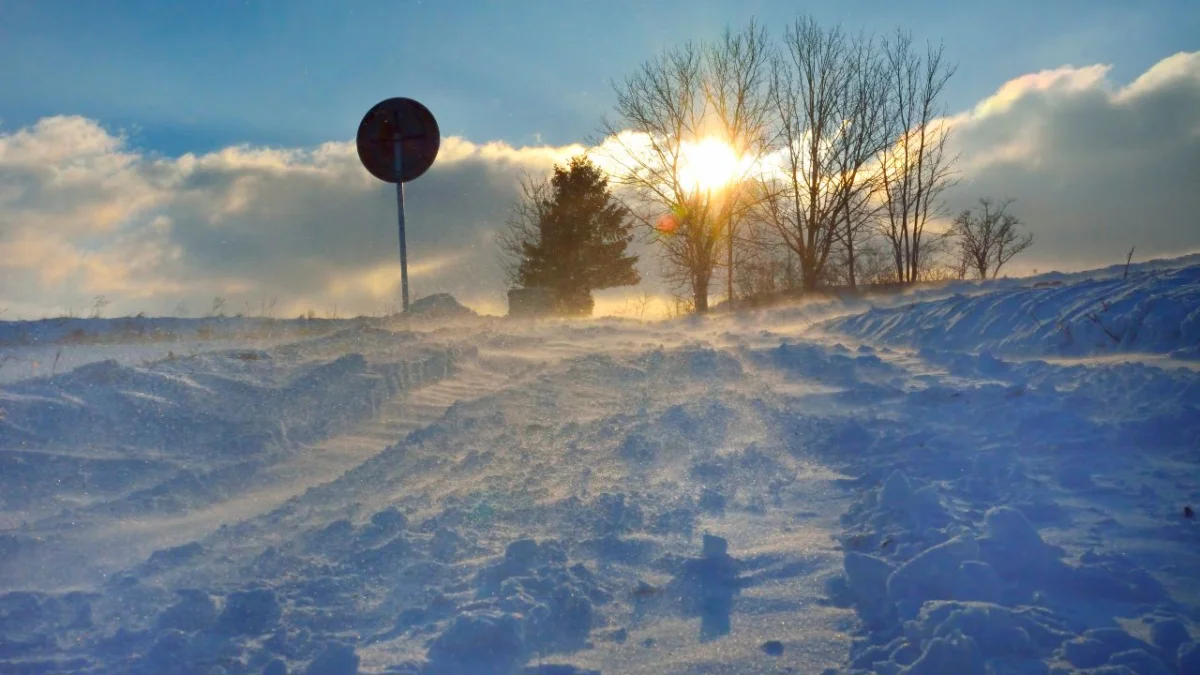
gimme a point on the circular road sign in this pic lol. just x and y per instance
(419, 139)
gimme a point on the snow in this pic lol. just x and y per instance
(1154, 312)
(934, 482)
(31, 349)
(439, 305)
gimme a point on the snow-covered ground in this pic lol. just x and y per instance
(1152, 311)
(51, 346)
(947, 481)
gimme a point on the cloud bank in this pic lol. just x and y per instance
(82, 214)
(1095, 169)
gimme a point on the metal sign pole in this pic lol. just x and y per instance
(400, 211)
(408, 130)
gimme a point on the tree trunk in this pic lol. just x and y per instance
(850, 253)
(729, 261)
(809, 278)
(701, 279)
(916, 257)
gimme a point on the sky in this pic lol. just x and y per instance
(162, 154)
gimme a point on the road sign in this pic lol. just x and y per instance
(400, 119)
(398, 139)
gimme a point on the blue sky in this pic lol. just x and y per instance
(192, 77)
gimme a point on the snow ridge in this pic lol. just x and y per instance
(1153, 312)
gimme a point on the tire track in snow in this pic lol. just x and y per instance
(130, 540)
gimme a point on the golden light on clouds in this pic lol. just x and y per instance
(383, 281)
(1067, 79)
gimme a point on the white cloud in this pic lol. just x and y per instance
(82, 214)
(1059, 80)
(1095, 167)
(1176, 69)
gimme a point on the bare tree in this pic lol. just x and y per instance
(659, 109)
(737, 89)
(873, 265)
(680, 97)
(765, 265)
(914, 169)
(523, 225)
(863, 138)
(989, 239)
(98, 305)
(829, 104)
(962, 263)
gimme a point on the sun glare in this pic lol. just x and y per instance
(708, 164)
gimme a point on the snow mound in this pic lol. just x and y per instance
(439, 306)
(480, 642)
(1155, 312)
(530, 600)
(250, 612)
(174, 435)
(834, 365)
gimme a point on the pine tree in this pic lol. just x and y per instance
(569, 236)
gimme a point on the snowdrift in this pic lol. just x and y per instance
(107, 440)
(1153, 312)
(440, 306)
(134, 330)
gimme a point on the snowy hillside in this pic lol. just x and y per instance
(905, 487)
(1153, 312)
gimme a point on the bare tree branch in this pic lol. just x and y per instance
(521, 229)
(914, 169)
(989, 239)
(829, 103)
(737, 92)
(680, 97)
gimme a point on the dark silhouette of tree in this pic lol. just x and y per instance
(569, 236)
(989, 239)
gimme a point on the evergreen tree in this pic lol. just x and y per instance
(569, 236)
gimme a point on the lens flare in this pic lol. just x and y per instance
(667, 224)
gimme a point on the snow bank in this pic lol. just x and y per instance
(1155, 312)
(171, 436)
(439, 305)
(134, 330)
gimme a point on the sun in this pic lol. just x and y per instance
(708, 164)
